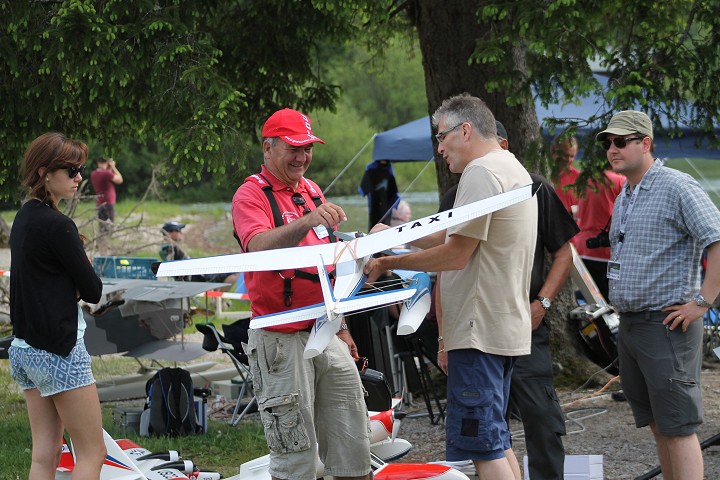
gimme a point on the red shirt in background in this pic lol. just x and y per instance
(101, 180)
(594, 212)
(568, 178)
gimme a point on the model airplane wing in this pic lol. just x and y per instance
(141, 317)
(339, 252)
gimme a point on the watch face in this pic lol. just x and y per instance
(544, 302)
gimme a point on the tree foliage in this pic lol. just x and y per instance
(661, 57)
(199, 76)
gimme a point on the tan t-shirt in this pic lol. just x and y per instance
(485, 306)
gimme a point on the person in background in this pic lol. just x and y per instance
(50, 272)
(170, 250)
(564, 152)
(378, 184)
(532, 389)
(486, 268)
(661, 223)
(401, 213)
(307, 406)
(103, 179)
(594, 214)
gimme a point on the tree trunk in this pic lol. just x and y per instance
(4, 234)
(447, 32)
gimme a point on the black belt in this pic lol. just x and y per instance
(645, 314)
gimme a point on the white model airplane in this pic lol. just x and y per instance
(126, 460)
(349, 258)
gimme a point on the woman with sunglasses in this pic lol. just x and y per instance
(50, 273)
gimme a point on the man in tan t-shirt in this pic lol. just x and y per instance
(486, 265)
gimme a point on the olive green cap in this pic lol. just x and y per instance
(628, 122)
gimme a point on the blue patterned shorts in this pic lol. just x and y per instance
(50, 373)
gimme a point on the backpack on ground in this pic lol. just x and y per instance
(170, 408)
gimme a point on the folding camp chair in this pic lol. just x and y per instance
(213, 341)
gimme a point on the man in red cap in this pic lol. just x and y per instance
(279, 208)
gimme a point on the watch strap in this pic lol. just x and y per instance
(701, 302)
(544, 301)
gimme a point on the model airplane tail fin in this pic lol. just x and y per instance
(327, 291)
(117, 464)
(67, 461)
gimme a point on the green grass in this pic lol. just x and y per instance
(223, 448)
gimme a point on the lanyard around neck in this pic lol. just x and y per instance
(626, 208)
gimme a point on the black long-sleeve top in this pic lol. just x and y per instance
(49, 270)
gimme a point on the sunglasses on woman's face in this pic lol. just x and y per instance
(619, 142)
(73, 170)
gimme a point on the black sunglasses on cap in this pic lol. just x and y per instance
(73, 170)
(620, 142)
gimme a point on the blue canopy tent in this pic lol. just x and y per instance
(409, 142)
(413, 141)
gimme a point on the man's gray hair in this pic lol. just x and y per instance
(271, 140)
(467, 108)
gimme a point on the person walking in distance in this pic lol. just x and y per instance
(103, 179)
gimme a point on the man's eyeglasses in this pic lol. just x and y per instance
(73, 170)
(620, 142)
(299, 200)
(440, 136)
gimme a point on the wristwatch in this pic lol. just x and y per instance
(344, 326)
(701, 302)
(545, 302)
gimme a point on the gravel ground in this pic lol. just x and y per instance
(597, 426)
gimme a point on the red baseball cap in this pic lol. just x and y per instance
(290, 125)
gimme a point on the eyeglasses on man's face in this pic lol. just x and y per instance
(73, 170)
(619, 142)
(440, 136)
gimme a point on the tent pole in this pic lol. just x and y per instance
(394, 205)
(349, 164)
(418, 176)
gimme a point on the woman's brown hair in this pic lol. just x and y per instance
(50, 151)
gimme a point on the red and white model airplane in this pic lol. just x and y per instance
(126, 460)
(349, 256)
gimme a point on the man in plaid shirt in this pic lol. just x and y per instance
(662, 221)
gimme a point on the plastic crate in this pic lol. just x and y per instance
(124, 267)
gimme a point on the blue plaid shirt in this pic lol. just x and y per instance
(671, 223)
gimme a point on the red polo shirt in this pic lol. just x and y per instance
(594, 211)
(252, 214)
(567, 178)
